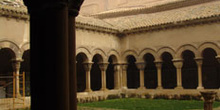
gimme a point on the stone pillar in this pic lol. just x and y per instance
(116, 76)
(124, 75)
(141, 67)
(159, 79)
(199, 64)
(178, 63)
(103, 67)
(88, 67)
(209, 97)
(49, 43)
(17, 65)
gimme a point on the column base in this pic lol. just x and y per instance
(178, 87)
(104, 89)
(142, 88)
(159, 87)
(88, 90)
(200, 88)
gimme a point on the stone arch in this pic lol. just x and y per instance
(127, 53)
(85, 51)
(116, 55)
(146, 51)
(211, 45)
(185, 47)
(11, 45)
(100, 52)
(163, 50)
(84, 57)
(25, 46)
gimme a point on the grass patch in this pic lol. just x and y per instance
(148, 104)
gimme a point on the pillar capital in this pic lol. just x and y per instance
(158, 63)
(103, 66)
(87, 66)
(199, 60)
(178, 63)
(141, 65)
(16, 63)
(124, 66)
(218, 58)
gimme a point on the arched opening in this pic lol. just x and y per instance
(189, 70)
(80, 72)
(110, 72)
(133, 76)
(96, 81)
(210, 70)
(25, 67)
(6, 72)
(150, 72)
(168, 72)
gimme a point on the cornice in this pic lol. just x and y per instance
(151, 9)
(96, 28)
(14, 12)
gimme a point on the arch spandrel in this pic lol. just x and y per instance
(146, 51)
(165, 49)
(183, 48)
(127, 53)
(25, 46)
(211, 45)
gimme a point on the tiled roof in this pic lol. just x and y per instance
(165, 17)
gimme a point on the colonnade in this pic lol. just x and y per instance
(121, 78)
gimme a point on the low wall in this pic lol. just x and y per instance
(7, 103)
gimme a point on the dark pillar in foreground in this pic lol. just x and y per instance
(74, 7)
(49, 43)
(209, 97)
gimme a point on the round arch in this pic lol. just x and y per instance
(163, 50)
(11, 45)
(115, 54)
(127, 53)
(100, 52)
(183, 48)
(211, 45)
(85, 51)
(146, 51)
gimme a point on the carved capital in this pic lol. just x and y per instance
(178, 63)
(141, 65)
(158, 64)
(87, 66)
(209, 96)
(124, 66)
(74, 6)
(199, 61)
(103, 66)
(16, 63)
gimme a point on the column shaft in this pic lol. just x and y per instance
(141, 67)
(159, 79)
(124, 76)
(178, 63)
(17, 65)
(88, 67)
(103, 67)
(116, 77)
(199, 64)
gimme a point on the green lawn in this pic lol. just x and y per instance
(148, 104)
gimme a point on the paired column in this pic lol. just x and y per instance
(159, 78)
(124, 75)
(141, 67)
(16, 65)
(199, 64)
(178, 63)
(103, 67)
(87, 67)
(116, 76)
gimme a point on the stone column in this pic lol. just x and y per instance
(209, 97)
(124, 75)
(87, 67)
(159, 79)
(199, 64)
(218, 58)
(178, 63)
(116, 76)
(16, 65)
(103, 67)
(49, 42)
(141, 67)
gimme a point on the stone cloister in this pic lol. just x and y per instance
(168, 48)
